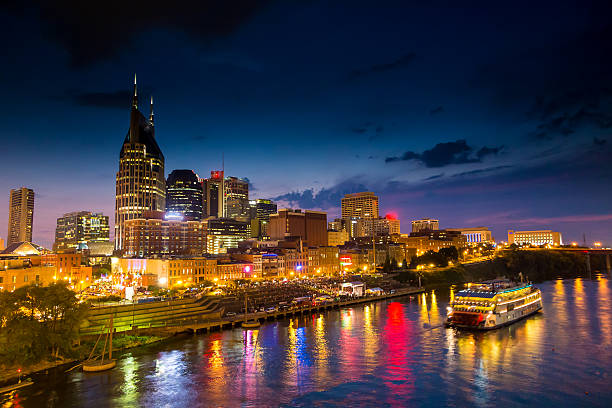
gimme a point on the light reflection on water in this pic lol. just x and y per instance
(389, 353)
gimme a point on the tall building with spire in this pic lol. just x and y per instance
(140, 183)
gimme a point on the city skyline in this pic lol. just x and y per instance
(515, 138)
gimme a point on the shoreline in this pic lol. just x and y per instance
(43, 366)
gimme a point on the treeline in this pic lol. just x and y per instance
(536, 266)
(39, 323)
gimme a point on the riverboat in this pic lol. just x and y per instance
(492, 304)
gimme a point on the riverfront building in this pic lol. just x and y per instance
(21, 216)
(76, 229)
(537, 238)
(140, 183)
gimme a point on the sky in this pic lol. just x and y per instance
(495, 114)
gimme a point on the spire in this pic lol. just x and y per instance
(151, 116)
(135, 97)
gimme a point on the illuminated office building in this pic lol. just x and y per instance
(360, 205)
(425, 224)
(21, 216)
(74, 230)
(214, 193)
(538, 237)
(184, 196)
(140, 185)
(236, 196)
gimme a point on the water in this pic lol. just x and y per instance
(384, 354)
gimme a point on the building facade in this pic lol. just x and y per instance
(21, 216)
(184, 196)
(148, 237)
(224, 233)
(475, 235)
(368, 227)
(236, 199)
(309, 226)
(537, 238)
(360, 205)
(141, 182)
(214, 193)
(74, 230)
(425, 224)
(260, 217)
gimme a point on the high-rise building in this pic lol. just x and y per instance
(184, 196)
(74, 230)
(425, 224)
(309, 226)
(141, 185)
(360, 205)
(236, 198)
(21, 215)
(214, 193)
(260, 217)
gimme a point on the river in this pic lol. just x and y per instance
(383, 354)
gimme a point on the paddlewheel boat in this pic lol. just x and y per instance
(492, 304)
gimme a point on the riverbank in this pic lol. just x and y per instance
(536, 266)
(9, 374)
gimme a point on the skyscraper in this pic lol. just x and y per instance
(214, 193)
(183, 196)
(260, 217)
(237, 198)
(21, 215)
(141, 185)
(74, 230)
(360, 205)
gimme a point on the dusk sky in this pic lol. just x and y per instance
(495, 115)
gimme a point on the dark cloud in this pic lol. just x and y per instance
(599, 142)
(359, 130)
(444, 154)
(401, 62)
(481, 171)
(486, 151)
(436, 110)
(325, 198)
(95, 33)
(571, 112)
(437, 176)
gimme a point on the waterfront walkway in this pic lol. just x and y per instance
(202, 325)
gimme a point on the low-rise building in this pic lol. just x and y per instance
(337, 238)
(537, 237)
(476, 235)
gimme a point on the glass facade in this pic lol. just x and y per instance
(184, 196)
(75, 229)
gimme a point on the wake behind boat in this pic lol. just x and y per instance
(492, 304)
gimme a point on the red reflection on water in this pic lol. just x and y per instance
(397, 374)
